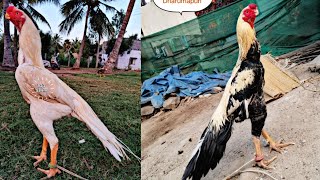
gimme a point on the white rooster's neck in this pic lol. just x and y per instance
(246, 35)
(30, 43)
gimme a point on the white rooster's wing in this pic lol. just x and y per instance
(40, 83)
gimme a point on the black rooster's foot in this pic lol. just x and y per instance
(265, 163)
(278, 146)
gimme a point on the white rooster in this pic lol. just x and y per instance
(50, 98)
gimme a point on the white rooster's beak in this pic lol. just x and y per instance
(7, 16)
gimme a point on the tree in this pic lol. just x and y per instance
(110, 64)
(74, 11)
(46, 43)
(7, 54)
(117, 20)
(67, 45)
(27, 7)
(100, 26)
(56, 43)
(125, 45)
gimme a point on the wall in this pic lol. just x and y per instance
(155, 19)
(123, 60)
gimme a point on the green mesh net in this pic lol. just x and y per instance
(209, 41)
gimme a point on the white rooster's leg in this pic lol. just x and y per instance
(43, 114)
(46, 128)
(43, 154)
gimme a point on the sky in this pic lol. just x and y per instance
(53, 16)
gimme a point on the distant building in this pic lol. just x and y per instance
(128, 60)
(131, 59)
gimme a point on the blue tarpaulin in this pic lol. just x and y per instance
(172, 80)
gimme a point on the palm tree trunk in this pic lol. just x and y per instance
(15, 47)
(68, 58)
(97, 55)
(77, 63)
(7, 54)
(110, 64)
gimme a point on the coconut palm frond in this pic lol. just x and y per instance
(36, 15)
(70, 21)
(100, 23)
(71, 6)
(55, 2)
(109, 8)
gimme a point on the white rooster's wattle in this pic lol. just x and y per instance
(50, 98)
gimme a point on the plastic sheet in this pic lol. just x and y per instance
(172, 80)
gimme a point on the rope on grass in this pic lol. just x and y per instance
(71, 173)
(67, 171)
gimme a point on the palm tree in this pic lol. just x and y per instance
(67, 45)
(117, 20)
(76, 45)
(74, 11)
(110, 64)
(27, 7)
(7, 54)
(56, 42)
(101, 26)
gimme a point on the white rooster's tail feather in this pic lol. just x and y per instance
(111, 143)
(128, 149)
(109, 140)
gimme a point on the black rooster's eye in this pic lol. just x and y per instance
(17, 13)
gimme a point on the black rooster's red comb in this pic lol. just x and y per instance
(252, 6)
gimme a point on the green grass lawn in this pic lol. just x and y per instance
(114, 98)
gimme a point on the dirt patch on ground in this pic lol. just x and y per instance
(70, 71)
(169, 139)
(66, 72)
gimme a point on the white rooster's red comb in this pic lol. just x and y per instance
(10, 8)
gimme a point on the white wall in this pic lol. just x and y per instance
(154, 19)
(123, 60)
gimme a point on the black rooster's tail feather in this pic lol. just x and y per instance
(208, 152)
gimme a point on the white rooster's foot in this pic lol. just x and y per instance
(39, 159)
(50, 173)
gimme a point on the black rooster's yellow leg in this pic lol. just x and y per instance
(259, 158)
(273, 145)
(53, 163)
(43, 154)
